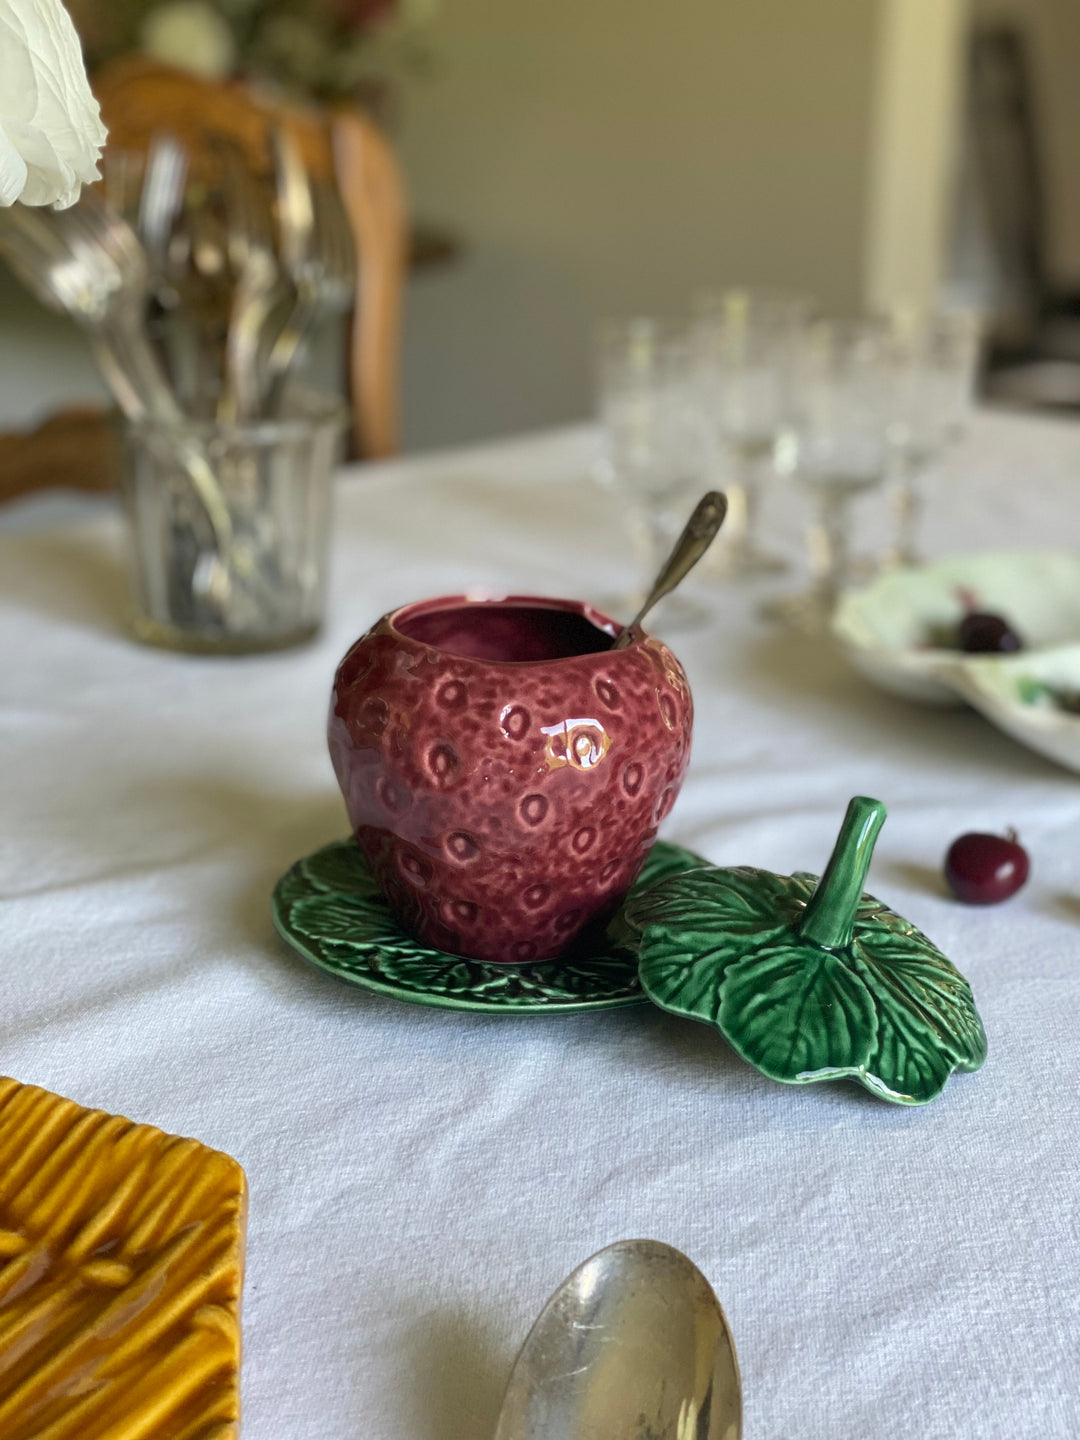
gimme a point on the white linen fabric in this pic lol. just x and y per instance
(421, 1180)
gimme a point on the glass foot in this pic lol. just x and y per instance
(677, 613)
(902, 557)
(865, 568)
(743, 559)
(808, 613)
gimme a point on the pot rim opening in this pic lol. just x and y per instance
(604, 624)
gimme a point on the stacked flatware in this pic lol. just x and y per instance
(201, 296)
(201, 290)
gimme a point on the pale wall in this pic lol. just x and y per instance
(915, 123)
(604, 156)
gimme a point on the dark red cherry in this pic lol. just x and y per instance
(983, 869)
(982, 634)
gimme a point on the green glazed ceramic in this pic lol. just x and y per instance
(811, 980)
(330, 910)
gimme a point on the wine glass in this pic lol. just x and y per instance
(936, 358)
(836, 447)
(745, 342)
(657, 447)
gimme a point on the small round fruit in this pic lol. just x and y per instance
(984, 869)
(982, 634)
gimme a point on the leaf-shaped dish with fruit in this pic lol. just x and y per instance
(901, 630)
(811, 980)
(1034, 697)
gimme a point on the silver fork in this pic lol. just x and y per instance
(70, 276)
(88, 263)
(161, 199)
(319, 256)
(258, 288)
(160, 202)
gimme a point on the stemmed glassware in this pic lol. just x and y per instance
(936, 357)
(837, 447)
(744, 344)
(658, 449)
(755, 385)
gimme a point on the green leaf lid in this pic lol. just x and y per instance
(811, 979)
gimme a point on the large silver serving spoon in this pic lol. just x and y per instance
(700, 532)
(632, 1346)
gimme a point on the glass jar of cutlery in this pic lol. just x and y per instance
(230, 527)
(201, 298)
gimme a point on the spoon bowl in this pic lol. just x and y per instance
(632, 1346)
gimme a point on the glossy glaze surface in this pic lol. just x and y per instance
(812, 979)
(986, 869)
(1033, 696)
(504, 770)
(330, 910)
(121, 1261)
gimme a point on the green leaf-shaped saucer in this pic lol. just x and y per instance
(329, 908)
(811, 980)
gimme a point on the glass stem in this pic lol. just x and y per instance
(907, 504)
(647, 522)
(829, 542)
(747, 480)
(744, 494)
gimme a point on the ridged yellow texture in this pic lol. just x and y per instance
(121, 1264)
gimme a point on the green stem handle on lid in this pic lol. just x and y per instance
(829, 917)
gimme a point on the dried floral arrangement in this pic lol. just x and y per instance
(327, 49)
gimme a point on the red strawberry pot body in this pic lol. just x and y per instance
(504, 769)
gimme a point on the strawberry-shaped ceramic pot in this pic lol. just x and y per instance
(504, 769)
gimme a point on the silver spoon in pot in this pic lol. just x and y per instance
(632, 1346)
(700, 532)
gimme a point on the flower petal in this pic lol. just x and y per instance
(12, 169)
(48, 116)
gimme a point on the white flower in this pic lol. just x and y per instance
(191, 35)
(50, 128)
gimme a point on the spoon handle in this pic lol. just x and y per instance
(691, 545)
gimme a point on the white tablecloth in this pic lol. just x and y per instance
(420, 1180)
